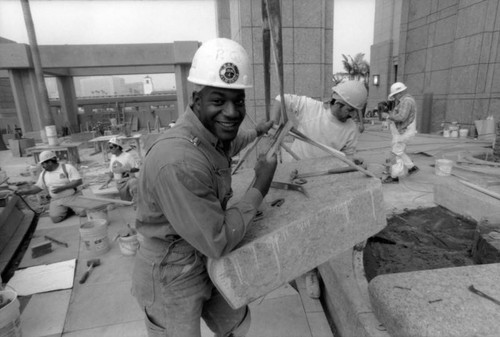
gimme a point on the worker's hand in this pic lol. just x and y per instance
(263, 127)
(361, 127)
(264, 173)
(385, 115)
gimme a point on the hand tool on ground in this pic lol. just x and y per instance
(91, 264)
(288, 186)
(480, 293)
(56, 241)
(277, 202)
(295, 175)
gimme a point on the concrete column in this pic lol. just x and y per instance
(181, 84)
(69, 108)
(183, 55)
(223, 19)
(25, 98)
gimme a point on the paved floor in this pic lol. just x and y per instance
(103, 305)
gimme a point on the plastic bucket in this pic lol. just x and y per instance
(463, 133)
(51, 132)
(94, 235)
(128, 244)
(10, 316)
(443, 167)
(98, 214)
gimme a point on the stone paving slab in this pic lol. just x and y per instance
(438, 302)
(37, 321)
(304, 232)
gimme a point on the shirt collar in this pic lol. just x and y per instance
(199, 129)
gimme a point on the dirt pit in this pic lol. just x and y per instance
(420, 239)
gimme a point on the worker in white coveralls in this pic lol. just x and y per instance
(184, 188)
(403, 127)
(122, 168)
(61, 182)
(328, 123)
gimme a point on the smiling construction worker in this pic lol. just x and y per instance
(183, 191)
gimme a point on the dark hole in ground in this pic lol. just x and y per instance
(420, 239)
(488, 157)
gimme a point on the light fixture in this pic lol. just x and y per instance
(376, 79)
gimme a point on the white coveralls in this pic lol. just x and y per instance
(403, 126)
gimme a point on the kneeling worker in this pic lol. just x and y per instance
(61, 181)
(122, 168)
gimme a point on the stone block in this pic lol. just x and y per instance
(464, 200)
(341, 211)
(486, 246)
(438, 302)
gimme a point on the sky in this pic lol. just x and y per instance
(352, 29)
(154, 21)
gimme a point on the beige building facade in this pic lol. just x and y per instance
(448, 54)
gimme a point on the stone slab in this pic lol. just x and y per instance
(438, 302)
(36, 320)
(464, 200)
(346, 297)
(304, 232)
(486, 245)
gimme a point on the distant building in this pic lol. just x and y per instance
(101, 86)
(148, 85)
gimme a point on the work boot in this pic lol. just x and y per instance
(312, 284)
(390, 180)
(414, 169)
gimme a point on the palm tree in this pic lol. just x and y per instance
(357, 68)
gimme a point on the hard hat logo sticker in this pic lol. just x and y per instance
(229, 73)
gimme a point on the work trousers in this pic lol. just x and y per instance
(402, 162)
(58, 212)
(173, 288)
(127, 188)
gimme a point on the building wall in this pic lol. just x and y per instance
(450, 49)
(385, 49)
(307, 34)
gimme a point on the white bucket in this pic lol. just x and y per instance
(94, 235)
(10, 316)
(464, 133)
(51, 132)
(128, 244)
(443, 167)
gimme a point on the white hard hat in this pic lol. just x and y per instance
(115, 141)
(46, 155)
(396, 88)
(352, 92)
(221, 63)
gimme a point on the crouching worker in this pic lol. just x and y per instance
(61, 182)
(182, 201)
(122, 168)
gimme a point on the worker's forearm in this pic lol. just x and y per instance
(31, 190)
(73, 184)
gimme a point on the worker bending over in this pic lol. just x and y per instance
(122, 168)
(403, 126)
(183, 193)
(61, 182)
(328, 123)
